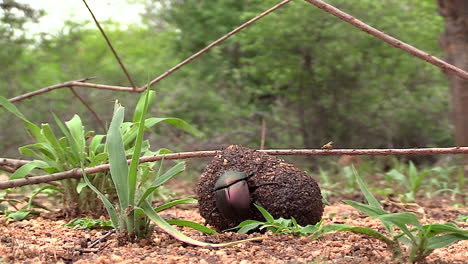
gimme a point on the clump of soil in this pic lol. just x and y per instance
(290, 191)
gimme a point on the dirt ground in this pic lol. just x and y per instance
(43, 240)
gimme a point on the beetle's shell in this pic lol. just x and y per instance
(234, 201)
(229, 177)
(295, 194)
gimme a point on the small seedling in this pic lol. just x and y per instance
(84, 223)
(420, 239)
(277, 226)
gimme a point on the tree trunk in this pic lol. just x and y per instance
(455, 43)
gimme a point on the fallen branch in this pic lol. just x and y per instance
(390, 40)
(77, 173)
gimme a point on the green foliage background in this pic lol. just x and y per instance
(310, 76)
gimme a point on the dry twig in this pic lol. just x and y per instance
(216, 42)
(83, 101)
(77, 173)
(111, 47)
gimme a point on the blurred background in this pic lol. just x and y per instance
(308, 77)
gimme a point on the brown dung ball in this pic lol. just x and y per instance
(283, 190)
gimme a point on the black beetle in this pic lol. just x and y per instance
(233, 193)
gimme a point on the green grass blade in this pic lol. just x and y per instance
(176, 169)
(176, 202)
(43, 188)
(117, 158)
(109, 207)
(33, 130)
(74, 147)
(133, 171)
(52, 139)
(164, 225)
(365, 190)
(142, 105)
(192, 225)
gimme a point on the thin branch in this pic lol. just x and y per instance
(390, 40)
(83, 101)
(77, 83)
(15, 163)
(214, 43)
(111, 47)
(77, 173)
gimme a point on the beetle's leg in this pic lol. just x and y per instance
(252, 173)
(209, 217)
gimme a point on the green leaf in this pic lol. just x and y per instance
(51, 138)
(248, 225)
(268, 217)
(401, 220)
(367, 209)
(161, 223)
(435, 229)
(68, 137)
(109, 207)
(333, 228)
(193, 225)
(27, 168)
(399, 177)
(34, 130)
(176, 202)
(38, 191)
(445, 240)
(96, 143)
(176, 122)
(143, 105)
(18, 215)
(11, 108)
(98, 159)
(309, 229)
(76, 129)
(371, 200)
(84, 223)
(117, 159)
(365, 190)
(133, 171)
(176, 169)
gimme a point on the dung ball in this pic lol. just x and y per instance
(279, 187)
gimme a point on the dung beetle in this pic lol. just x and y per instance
(233, 193)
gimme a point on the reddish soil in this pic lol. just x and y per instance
(43, 240)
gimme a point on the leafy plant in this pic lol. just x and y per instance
(26, 210)
(411, 181)
(277, 226)
(79, 147)
(85, 223)
(131, 214)
(420, 239)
